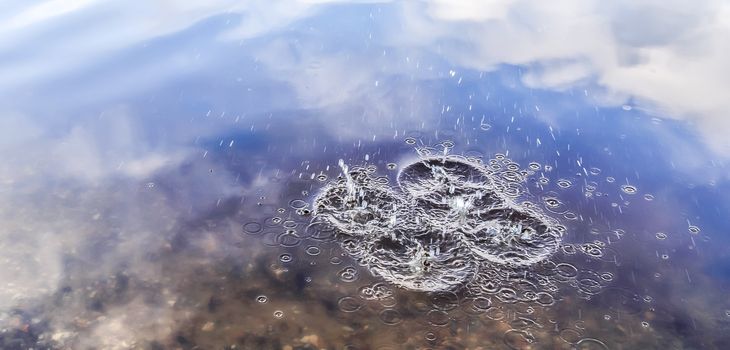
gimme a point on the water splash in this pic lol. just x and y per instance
(450, 223)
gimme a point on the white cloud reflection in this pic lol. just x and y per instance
(664, 56)
(668, 57)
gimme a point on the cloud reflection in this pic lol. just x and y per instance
(666, 57)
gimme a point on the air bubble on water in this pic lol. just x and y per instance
(285, 258)
(272, 221)
(607, 276)
(288, 239)
(378, 291)
(252, 227)
(312, 250)
(564, 183)
(349, 304)
(569, 335)
(262, 299)
(279, 314)
(518, 339)
(438, 318)
(430, 336)
(693, 229)
(348, 274)
(290, 224)
(628, 189)
(390, 317)
(661, 236)
(591, 343)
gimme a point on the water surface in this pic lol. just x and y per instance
(527, 175)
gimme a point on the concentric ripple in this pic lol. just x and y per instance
(447, 220)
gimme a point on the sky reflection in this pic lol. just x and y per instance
(138, 137)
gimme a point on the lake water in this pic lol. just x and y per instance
(364, 175)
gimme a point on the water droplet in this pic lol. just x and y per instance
(628, 189)
(564, 183)
(406, 234)
(438, 318)
(590, 344)
(285, 258)
(518, 339)
(390, 317)
(569, 335)
(349, 304)
(348, 274)
(312, 250)
(252, 227)
(431, 336)
(273, 221)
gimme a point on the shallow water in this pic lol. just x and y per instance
(364, 175)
